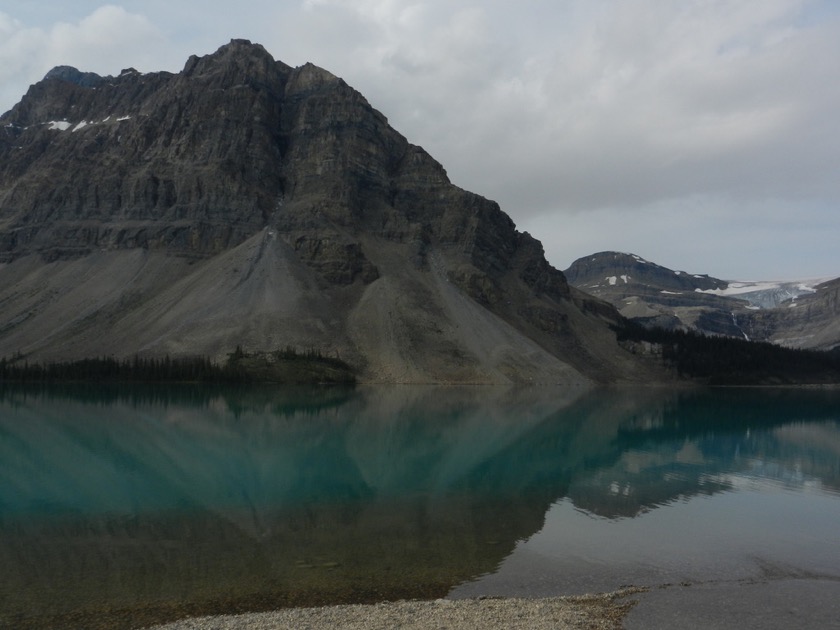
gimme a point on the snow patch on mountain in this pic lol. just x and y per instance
(64, 125)
(768, 293)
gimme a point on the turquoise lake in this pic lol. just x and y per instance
(125, 506)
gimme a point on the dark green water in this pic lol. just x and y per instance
(127, 506)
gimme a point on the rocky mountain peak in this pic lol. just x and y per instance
(242, 202)
(311, 77)
(235, 63)
(599, 272)
(75, 76)
(655, 295)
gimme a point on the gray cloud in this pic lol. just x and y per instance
(105, 40)
(592, 122)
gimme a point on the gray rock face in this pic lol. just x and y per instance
(73, 75)
(786, 313)
(183, 162)
(245, 202)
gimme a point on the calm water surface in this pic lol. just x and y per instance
(122, 507)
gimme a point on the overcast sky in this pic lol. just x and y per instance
(703, 135)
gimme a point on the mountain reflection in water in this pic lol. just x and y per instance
(129, 506)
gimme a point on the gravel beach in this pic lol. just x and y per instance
(592, 612)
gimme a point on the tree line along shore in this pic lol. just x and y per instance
(281, 366)
(690, 356)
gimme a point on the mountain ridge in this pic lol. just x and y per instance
(796, 314)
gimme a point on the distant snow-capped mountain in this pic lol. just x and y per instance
(799, 313)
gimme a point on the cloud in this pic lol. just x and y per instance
(678, 129)
(625, 111)
(671, 99)
(18, 46)
(107, 31)
(105, 41)
(702, 234)
(631, 102)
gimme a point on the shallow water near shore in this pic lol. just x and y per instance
(133, 505)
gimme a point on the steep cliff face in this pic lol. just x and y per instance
(244, 202)
(185, 162)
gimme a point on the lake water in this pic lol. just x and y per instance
(126, 506)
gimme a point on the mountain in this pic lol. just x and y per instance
(801, 314)
(809, 320)
(243, 202)
(655, 295)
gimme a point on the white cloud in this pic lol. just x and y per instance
(18, 46)
(105, 41)
(107, 31)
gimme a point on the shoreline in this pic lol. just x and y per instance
(603, 611)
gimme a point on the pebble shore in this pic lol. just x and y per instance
(592, 612)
